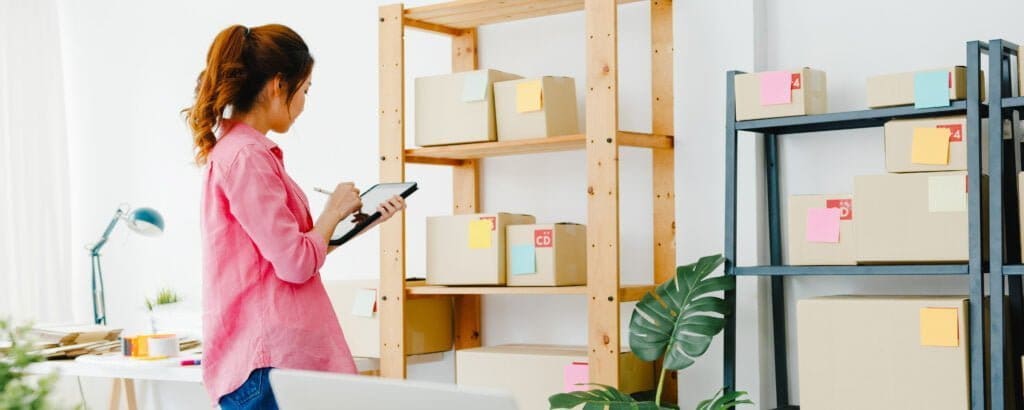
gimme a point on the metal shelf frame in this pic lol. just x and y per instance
(770, 130)
(1004, 228)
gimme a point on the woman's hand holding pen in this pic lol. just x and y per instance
(344, 201)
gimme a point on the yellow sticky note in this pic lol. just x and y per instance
(930, 146)
(528, 96)
(940, 327)
(480, 234)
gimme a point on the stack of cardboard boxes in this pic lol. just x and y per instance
(504, 249)
(917, 212)
(891, 352)
(490, 105)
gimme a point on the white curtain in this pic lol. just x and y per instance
(34, 199)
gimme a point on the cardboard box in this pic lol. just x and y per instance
(469, 249)
(807, 95)
(911, 218)
(457, 108)
(804, 246)
(428, 321)
(547, 255)
(535, 108)
(535, 372)
(883, 352)
(899, 144)
(898, 89)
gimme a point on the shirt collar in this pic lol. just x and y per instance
(243, 130)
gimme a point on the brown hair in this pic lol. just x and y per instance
(240, 62)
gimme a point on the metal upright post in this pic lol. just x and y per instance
(771, 155)
(995, 219)
(729, 333)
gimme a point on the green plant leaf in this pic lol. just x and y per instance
(724, 401)
(602, 398)
(679, 318)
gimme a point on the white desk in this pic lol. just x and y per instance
(125, 371)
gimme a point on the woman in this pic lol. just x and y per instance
(264, 303)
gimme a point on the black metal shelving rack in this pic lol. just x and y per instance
(771, 129)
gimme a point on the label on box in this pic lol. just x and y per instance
(479, 235)
(543, 238)
(845, 208)
(956, 132)
(523, 259)
(795, 82)
(493, 220)
(364, 303)
(474, 86)
(947, 193)
(940, 327)
(576, 376)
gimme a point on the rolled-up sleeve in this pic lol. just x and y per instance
(257, 198)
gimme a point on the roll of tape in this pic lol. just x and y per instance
(162, 346)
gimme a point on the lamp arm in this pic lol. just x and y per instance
(95, 249)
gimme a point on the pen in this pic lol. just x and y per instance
(193, 362)
(322, 191)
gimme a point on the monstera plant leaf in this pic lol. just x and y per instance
(724, 401)
(605, 397)
(680, 317)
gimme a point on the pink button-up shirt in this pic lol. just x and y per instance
(263, 302)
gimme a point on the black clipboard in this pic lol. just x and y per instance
(377, 194)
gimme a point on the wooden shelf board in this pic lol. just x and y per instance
(465, 14)
(627, 293)
(496, 290)
(452, 154)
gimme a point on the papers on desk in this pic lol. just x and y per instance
(57, 342)
(65, 335)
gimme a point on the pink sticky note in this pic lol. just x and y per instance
(823, 225)
(775, 87)
(576, 373)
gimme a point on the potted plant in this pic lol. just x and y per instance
(160, 308)
(677, 321)
(19, 390)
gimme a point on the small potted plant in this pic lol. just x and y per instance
(677, 321)
(161, 308)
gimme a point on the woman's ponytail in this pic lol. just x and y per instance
(238, 65)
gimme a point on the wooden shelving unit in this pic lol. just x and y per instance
(459, 20)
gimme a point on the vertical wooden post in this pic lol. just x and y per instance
(603, 191)
(392, 169)
(466, 200)
(663, 159)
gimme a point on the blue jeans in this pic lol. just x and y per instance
(254, 394)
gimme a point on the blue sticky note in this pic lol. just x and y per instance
(474, 86)
(524, 259)
(931, 89)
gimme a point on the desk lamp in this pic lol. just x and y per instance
(144, 221)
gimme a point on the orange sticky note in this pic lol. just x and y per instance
(930, 146)
(480, 234)
(529, 96)
(940, 327)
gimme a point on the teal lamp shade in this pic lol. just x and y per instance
(146, 221)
